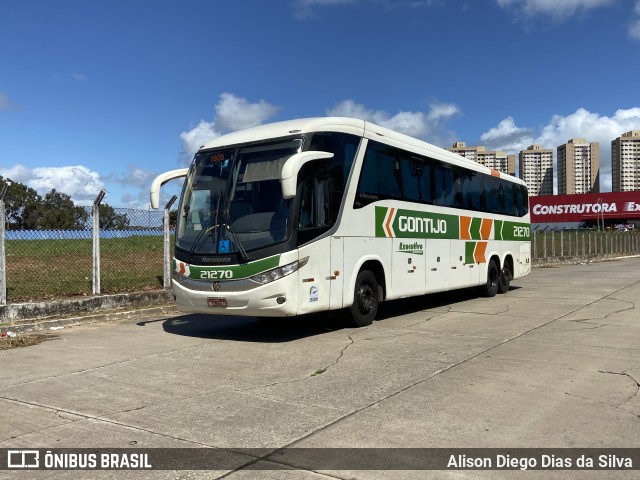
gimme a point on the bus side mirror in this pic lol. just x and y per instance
(292, 166)
(161, 180)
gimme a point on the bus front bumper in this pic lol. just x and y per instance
(275, 299)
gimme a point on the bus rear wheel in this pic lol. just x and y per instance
(505, 279)
(493, 279)
(365, 300)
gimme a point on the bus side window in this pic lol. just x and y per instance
(416, 179)
(314, 202)
(492, 194)
(380, 175)
(472, 190)
(444, 185)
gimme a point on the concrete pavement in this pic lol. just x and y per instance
(553, 363)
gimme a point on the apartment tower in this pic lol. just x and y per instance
(578, 167)
(625, 162)
(489, 158)
(536, 169)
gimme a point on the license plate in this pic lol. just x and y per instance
(217, 302)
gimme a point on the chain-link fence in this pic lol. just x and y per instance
(117, 250)
(583, 244)
(113, 250)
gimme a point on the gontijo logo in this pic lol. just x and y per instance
(400, 223)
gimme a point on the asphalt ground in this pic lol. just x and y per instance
(554, 363)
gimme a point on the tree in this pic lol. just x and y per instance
(21, 203)
(111, 220)
(57, 212)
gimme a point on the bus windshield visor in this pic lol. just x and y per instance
(233, 197)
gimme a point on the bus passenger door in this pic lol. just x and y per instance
(438, 264)
(336, 272)
(407, 267)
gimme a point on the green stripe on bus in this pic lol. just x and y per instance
(469, 248)
(232, 272)
(497, 229)
(381, 213)
(415, 224)
(516, 231)
(474, 230)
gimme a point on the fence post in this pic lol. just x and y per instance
(544, 244)
(96, 242)
(562, 243)
(167, 245)
(535, 244)
(3, 265)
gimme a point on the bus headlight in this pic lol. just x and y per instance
(276, 273)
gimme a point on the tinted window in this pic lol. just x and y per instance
(522, 200)
(472, 190)
(380, 176)
(444, 185)
(493, 194)
(416, 179)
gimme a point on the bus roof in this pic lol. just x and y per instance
(354, 126)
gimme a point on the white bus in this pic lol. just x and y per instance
(336, 213)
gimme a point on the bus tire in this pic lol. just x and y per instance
(505, 279)
(365, 300)
(493, 279)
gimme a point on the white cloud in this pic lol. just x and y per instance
(634, 28)
(304, 9)
(79, 77)
(507, 136)
(442, 111)
(235, 113)
(78, 181)
(417, 124)
(555, 8)
(232, 113)
(580, 124)
(193, 139)
(7, 105)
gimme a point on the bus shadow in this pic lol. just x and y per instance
(281, 330)
(252, 329)
(406, 306)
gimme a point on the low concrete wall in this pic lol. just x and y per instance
(72, 309)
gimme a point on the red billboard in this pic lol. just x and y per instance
(585, 207)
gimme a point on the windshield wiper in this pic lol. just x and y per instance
(206, 228)
(226, 218)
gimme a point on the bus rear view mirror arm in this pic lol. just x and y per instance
(292, 166)
(161, 180)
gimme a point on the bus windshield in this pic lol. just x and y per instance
(232, 200)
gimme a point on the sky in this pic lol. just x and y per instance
(108, 94)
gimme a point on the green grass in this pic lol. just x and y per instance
(44, 269)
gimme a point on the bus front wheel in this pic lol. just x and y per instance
(365, 300)
(493, 279)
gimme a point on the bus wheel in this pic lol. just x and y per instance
(493, 279)
(365, 300)
(505, 279)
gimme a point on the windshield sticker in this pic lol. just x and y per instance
(223, 246)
